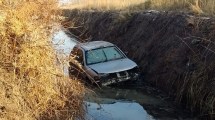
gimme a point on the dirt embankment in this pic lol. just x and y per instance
(176, 51)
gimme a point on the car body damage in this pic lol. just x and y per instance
(102, 63)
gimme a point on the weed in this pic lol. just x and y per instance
(32, 85)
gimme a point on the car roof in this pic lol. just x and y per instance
(94, 45)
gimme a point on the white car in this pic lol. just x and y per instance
(102, 63)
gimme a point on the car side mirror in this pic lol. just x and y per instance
(77, 58)
(80, 60)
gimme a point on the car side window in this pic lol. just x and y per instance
(77, 54)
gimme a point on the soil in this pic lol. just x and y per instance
(175, 50)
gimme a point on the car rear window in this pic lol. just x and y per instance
(103, 55)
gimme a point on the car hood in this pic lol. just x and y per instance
(113, 66)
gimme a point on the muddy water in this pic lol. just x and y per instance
(118, 104)
(113, 103)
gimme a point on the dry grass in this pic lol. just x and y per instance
(31, 84)
(196, 6)
(103, 4)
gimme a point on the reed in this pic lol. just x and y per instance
(32, 85)
(102, 4)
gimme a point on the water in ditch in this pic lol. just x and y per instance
(117, 104)
(131, 103)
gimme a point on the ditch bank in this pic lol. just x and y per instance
(175, 50)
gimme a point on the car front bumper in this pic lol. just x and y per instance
(119, 77)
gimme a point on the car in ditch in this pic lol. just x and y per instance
(102, 63)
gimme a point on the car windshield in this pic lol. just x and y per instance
(103, 55)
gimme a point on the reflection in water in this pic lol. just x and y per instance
(127, 94)
(118, 104)
(117, 111)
